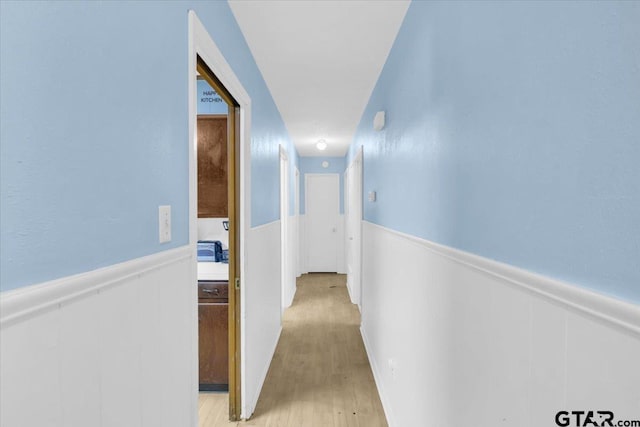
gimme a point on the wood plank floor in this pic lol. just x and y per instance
(320, 375)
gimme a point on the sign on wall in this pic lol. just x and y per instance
(209, 102)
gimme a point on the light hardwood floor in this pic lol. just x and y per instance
(320, 375)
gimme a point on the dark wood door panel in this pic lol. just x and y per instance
(213, 345)
(212, 167)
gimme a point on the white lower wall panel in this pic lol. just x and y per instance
(110, 348)
(457, 340)
(262, 321)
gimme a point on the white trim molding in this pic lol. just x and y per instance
(22, 303)
(621, 314)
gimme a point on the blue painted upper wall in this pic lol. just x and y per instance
(314, 165)
(94, 131)
(513, 132)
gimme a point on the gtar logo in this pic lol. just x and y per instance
(584, 418)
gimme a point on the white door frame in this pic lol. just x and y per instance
(285, 247)
(296, 237)
(201, 44)
(347, 229)
(353, 236)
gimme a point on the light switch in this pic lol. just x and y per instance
(372, 196)
(164, 221)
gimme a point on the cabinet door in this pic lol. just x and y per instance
(212, 167)
(213, 342)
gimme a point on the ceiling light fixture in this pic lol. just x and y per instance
(321, 145)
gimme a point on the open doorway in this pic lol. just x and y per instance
(218, 238)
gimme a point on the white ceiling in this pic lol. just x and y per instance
(320, 60)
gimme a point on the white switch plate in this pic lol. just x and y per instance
(372, 196)
(164, 220)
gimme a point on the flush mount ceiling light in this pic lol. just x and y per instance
(321, 145)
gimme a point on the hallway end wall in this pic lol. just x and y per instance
(313, 165)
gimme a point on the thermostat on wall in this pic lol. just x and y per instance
(378, 121)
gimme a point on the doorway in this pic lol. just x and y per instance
(322, 207)
(204, 52)
(218, 266)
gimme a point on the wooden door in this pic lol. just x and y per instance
(212, 167)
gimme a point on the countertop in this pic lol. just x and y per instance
(213, 271)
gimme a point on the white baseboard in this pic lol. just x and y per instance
(477, 342)
(384, 399)
(349, 292)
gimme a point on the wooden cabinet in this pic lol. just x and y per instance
(212, 166)
(213, 335)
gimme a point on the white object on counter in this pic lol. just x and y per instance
(213, 229)
(213, 271)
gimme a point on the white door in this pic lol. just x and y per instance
(354, 229)
(322, 197)
(296, 239)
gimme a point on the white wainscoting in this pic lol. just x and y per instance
(111, 347)
(458, 340)
(262, 317)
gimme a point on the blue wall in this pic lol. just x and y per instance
(314, 165)
(513, 132)
(94, 126)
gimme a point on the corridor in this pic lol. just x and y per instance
(320, 375)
